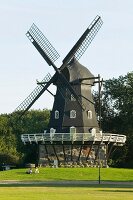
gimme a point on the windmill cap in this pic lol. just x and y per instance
(75, 72)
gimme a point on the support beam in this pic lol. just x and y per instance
(98, 149)
(109, 151)
(56, 153)
(64, 152)
(47, 154)
(79, 153)
(71, 152)
(89, 151)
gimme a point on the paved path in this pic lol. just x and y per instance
(64, 183)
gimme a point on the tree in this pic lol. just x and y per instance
(11, 128)
(34, 121)
(8, 150)
(117, 114)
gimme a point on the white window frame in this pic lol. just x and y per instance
(89, 114)
(73, 129)
(73, 114)
(56, 114)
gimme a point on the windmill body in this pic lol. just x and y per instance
(66, 113)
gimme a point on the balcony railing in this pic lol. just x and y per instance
(75, 137)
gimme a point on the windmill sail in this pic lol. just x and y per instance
(42, 44)
(34, 95)
(84, 41)
(49, 54)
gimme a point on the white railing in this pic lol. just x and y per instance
(69, 137)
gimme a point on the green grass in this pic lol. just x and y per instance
(111, 174)
(41, 192)
(65, 193)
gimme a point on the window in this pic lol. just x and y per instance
(52, 130)
(73, 114)
(89, 113)
(72, 129)
(72, 133)
(56, 114)
(72, 98)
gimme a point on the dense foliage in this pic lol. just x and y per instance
(117, 117)
(12, 150)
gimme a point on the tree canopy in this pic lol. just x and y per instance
(117, 114)
(12, 150)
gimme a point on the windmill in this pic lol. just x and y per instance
(72, 102)
(73, 116)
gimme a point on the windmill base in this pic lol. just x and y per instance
(72, 155)
(74, 150)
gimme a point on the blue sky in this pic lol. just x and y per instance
(62, 22)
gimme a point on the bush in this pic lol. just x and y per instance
(8, 159)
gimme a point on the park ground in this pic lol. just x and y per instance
(64, 184)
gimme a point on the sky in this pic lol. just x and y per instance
(62, 22)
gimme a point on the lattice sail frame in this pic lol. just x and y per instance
(89, 37)
(34, 33)
(82, 44)
(28, 101)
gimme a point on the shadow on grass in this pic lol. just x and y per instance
(58, 184)
(116, 190)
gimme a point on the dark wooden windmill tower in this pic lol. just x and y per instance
(73, 118)
(66, 112)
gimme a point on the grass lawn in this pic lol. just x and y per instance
(61, 192)
(111, 174)
(65, 193)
